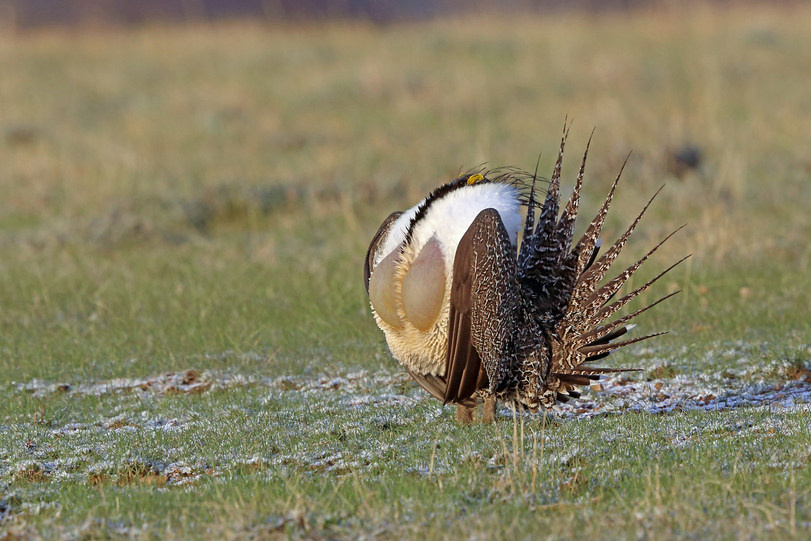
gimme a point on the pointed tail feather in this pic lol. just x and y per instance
(610, 309)
(529, 224)
(587, 309)
(587, 242)
(606, 334)
(590, 371)
(549, 212)
(592, 276)
(613, 346)
(594, 252)
(542, 253)
(564, 276)
(565, 227)
(575, 379)
(563, 284)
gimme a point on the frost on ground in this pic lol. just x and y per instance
(613, 394)
(186, 382)
(176, 430)
(683, 393)
(737, 382)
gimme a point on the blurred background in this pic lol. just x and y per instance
(181, 180)
(34, 13)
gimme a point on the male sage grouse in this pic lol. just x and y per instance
(471, 316)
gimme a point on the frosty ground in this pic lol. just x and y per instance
(198, 432)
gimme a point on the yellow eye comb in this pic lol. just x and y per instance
(473, 179)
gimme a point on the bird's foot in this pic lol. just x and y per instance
(464, 414)
(489, 409)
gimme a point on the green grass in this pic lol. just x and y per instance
(201, 198)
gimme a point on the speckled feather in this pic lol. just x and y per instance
(524, 323)
(563, 305)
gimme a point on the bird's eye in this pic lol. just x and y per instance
(381, 290)
(424, 286)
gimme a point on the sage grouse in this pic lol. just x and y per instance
(472, 316)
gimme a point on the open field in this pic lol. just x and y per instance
(186, 348)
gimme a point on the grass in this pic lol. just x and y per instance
(176, 199)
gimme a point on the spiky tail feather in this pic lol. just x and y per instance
(564, 283)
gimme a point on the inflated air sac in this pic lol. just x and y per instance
(381, 290)
(424, 286)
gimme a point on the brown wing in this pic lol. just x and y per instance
(483, 293)
(376, 240)
(435, 386)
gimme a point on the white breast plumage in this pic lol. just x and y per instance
(416, 323)
(449, 218)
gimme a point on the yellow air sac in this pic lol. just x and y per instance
(381, 290)
(424, 287)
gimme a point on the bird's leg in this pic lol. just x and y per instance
(464, 414)
(489, 409)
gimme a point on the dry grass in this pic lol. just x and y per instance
(343, 106)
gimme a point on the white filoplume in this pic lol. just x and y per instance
(450, 217)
